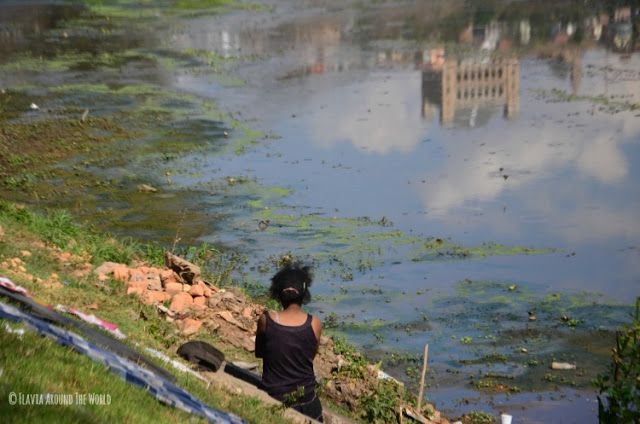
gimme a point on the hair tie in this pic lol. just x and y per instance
(293, 289)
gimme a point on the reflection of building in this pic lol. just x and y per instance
(471, 85)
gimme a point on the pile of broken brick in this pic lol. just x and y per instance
(181, 295)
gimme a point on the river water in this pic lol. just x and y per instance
(394, 123)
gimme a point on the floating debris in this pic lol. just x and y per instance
(562, 366)
(34, 106)
(146, 188)
(385, 222)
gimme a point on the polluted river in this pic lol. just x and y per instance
(462, 174)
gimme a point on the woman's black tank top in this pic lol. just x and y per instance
(288, 358)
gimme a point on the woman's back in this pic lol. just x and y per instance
(287, 341)
(288, 353)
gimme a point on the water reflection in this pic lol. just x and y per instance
(468, 84)
(20, 24)
(47, 30)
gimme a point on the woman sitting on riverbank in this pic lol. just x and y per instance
(287, 341)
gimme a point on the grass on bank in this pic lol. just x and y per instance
(619, 386)
(32, 364)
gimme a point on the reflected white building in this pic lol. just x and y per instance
(470, 84)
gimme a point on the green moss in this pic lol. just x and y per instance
(247, 138)
(199, 4)
(359, 244)
(609, 104)
(212, 59)
(47, 142)
(230, 81)
(146, 10)
(434, 248)
(71, 61)
(367, 325)
(477, 417)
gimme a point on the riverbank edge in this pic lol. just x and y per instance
(54, 258)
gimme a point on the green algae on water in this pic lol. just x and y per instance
(609, 104)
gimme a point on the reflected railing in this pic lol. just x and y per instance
(468, 83)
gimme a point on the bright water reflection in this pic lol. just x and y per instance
(518, 126)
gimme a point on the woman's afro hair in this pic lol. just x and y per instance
(291, 284)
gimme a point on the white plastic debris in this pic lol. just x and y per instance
(562, 366)
(17, 331)
(34, 106)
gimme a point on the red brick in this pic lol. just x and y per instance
(189, 326)
(121, 273)
(139, 290)
(136, 275)
(173, 288)
(152, 297)
(196, 291)
(247, 312)
(181, 302)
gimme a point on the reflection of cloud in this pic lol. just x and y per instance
(536, 160)
(582, 220)
(593, 225)
(603, 160)
(379, 116)
(472, 173)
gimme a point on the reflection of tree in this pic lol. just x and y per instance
(445, 22)
(27, 28)
(20, 24)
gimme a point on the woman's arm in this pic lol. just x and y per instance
(316, 324)
(260, 332)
